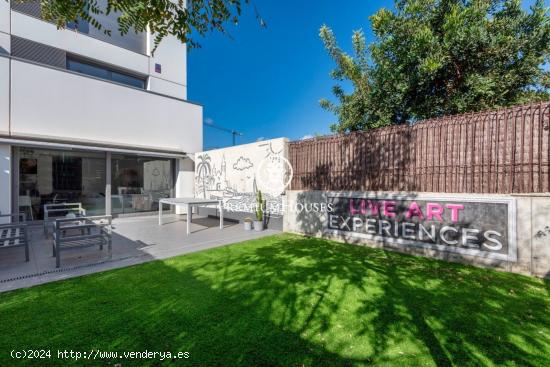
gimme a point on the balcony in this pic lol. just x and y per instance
(136, 42)
(54, 104)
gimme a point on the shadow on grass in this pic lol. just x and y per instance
(290, 301)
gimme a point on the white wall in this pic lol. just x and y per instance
(5, 179)
(168, 88)
(71, 41)
(76, 108)
(5, 16)
(5, 43)
(234, 174)
(131, 40)
(171, 54)
(4, 95)
(185, 175)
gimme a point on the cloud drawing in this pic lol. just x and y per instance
(242, 164)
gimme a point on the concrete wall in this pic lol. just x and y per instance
(532, 227)
(185, 184)
(5, 42)
(235, 174)
(136, 42)
(4, 95)
(171, 55)
(5, 16)
(58, 105)
(167, 88)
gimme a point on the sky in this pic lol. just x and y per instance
(267, 82)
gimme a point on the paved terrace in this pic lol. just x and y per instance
(135, 240)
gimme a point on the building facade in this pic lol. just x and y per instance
(91, 118)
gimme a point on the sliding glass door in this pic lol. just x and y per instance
(47, 176)
(138, 182)
(60, 176)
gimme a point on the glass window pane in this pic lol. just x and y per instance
(87, 69)
(56, 176)
(139, 182)
(128, 80)
(102, 72)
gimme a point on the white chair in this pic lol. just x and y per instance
(25, 202)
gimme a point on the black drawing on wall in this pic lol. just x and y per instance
(203, 174)
(243, 164)
(213, 181)
(270, 151)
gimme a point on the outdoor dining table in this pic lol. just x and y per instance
(189, 203)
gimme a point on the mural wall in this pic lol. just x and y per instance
(235, 175)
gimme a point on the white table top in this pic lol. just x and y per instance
(187, 201)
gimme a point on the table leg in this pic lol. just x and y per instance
(221, 216)
(160, 214)
(189, 214)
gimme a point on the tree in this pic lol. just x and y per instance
(160, 17)
(438, 57)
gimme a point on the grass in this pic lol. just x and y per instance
(288, 301)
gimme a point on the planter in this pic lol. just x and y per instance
(258, 225)
(247, 226)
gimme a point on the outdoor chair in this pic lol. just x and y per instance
(60, 210)
(83, 232)
(25, 202)
(14, 233)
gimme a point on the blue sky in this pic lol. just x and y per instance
(267, 82)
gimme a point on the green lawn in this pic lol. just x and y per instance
(288, 301)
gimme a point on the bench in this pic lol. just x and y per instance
(14, 233)
(77, 233)
(55, 211)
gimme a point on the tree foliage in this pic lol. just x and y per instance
(437, 57)
(161, 17)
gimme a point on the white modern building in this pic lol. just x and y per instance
(89, 118)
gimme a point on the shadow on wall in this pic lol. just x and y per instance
(311, 223)
(293, 301)
(373, 159)
(314, 224)
(350, 174)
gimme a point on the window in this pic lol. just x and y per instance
(133, 41)
(138, 183)
(59, 176)
(103, 72)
